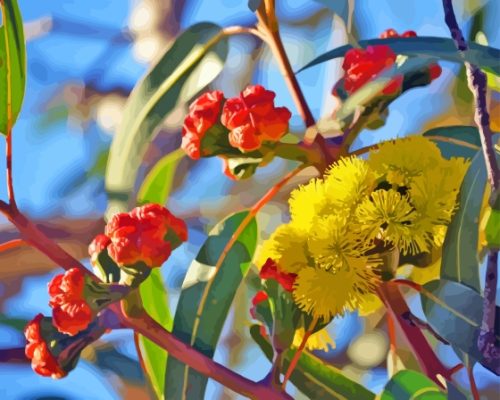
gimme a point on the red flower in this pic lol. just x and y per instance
(42, 360)
(252, 118)
(203, 114)
(270, 270)
(147, 234)
(70, 311)
(97, 246)
(361, 66)
(259, 297)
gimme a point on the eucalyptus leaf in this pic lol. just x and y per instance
(314, 377)
(12, 64)
(455, 312)
(198, 324)
(194, 60)
(411, 385)
(424, 46)
(446, 135)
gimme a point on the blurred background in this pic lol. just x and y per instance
(84, 58)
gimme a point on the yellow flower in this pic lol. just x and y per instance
(349, 181)
(434, 196)
(404, 159)
(307, 202)
(335, 246)
(325, 294)
(387, 215)
(320, 340)
(287, 247)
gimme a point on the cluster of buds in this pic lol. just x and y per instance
(240, 127)
(363, 65)
(133, 243)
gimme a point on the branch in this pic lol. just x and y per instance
(398, 309)
(149, 328)
(476, 80)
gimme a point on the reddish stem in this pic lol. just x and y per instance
(10, 179)
(397, 308)
(473, 386)
(12, 244)
(149, 328)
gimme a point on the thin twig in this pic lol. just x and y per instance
(10, 178)
(473, 386)
(12, 244)
(248, 218)
(244, 30)
(298, 353)
(476, 80)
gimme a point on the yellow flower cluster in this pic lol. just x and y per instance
(403, 196)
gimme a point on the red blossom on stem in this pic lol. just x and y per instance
(37, 350)
(270, 270)
(98, 245)
(259, 297)
(70, 311)
(147, 234)
(203, 114)
(252, 118)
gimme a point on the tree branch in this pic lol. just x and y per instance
(476, 80)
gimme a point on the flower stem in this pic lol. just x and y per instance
(12, 244)
(473, 386)
(397, 307)
(300, 349)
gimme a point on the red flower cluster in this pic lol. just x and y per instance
(98, 245)
(270, 270)
(362, 65)
(42, 360)
(259, 297)
(203, 114)
(147, 234)
(252, 118)
(71, 313)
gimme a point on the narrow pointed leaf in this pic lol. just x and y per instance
(313, 377)
(467, 134)
(193, 61)
(424, 46)
(202, 327)
(455, 312)
(411, 385)
(12, 64)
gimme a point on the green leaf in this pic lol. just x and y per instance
(449, 140)
(460, 262)
(155, 189)
(314, 377)
(424, 46)
(193, 61)
(492, 229)
(411, 385)
(158, 183)
(455, 312)
(201, 324)
(12, 64)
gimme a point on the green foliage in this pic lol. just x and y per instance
(12, 64)
(468, 134)
(411, 385)
(460, 262)
(313, 377)
(206, 299)
(455, 312)
(155, 189)
(483, 56)
(193, 61)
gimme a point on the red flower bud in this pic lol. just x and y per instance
(70, 311)
(389, 33)
(259, 297)
(72, 317)
(97, 246)
(408, 34)
(203, 114)
(147, 234)
(252, 118)
(42, 360)
(361, 66)
(270, 270)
